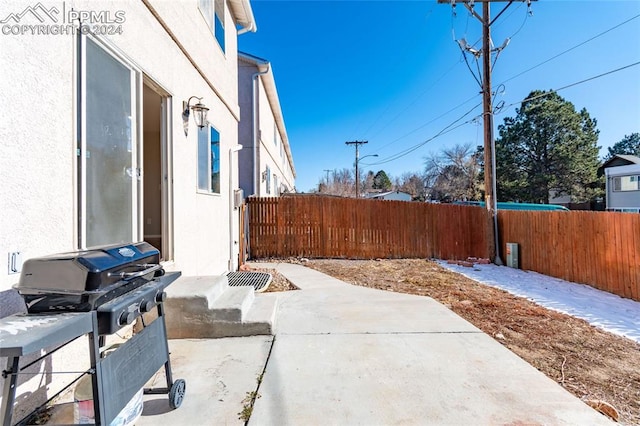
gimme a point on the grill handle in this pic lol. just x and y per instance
(131, 275)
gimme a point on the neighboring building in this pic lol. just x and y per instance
(266, 163)
(390, 195)
(96, 149)
(622, 183)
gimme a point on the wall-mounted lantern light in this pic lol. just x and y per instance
(199, 114)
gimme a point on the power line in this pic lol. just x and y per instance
(403, 53)
(409, 105)
(511, 78)
(572, 85)
(435, 82)
(429, 122)
(447, 129)
(516, 103)
(572, 48)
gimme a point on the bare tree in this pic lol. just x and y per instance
(453, 174)
(340, 182)
(411, 183)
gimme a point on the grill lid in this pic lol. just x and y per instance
(87, 271)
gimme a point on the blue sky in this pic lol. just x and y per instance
(390, 72)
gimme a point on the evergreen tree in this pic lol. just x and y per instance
(548, 148)
(382, 181)
(629, 145)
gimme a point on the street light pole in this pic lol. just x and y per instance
(357, 144)
(358, 177)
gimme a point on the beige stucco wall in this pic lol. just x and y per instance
(37, 166)
(38, 182)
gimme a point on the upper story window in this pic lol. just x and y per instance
(213, 12)
(268, 184)
(209, 160)
(275, 134)
(626, 183)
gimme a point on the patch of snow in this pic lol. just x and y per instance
(601, 309)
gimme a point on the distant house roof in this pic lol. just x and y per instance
(396, 195)
(618, 160)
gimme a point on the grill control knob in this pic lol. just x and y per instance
(146, 306)
(126, 318)
(161, 297)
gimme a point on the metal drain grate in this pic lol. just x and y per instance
(259, 280)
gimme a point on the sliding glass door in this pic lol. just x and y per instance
(109, 166)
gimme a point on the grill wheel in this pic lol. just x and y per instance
(176, 393)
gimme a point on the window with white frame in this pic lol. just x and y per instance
(209, 160)
(626, 183)
(276, 188)
(213, 12)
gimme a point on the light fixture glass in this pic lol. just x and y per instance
(200, 114)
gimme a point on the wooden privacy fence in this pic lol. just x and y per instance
(595, 248)
(331, 227)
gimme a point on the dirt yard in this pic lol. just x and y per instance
(598, 367)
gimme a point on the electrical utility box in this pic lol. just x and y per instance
(512, 255)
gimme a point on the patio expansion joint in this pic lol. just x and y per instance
(256, 393)
(328, 333)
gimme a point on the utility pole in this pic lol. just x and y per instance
(357, 144)
(490, 199)
(489, 143)
(327, 172)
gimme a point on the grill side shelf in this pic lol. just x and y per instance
(22, 334)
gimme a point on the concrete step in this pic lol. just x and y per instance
(195, 294)
(233, 304)
(206, 307)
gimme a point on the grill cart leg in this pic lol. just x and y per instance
(177, 389)
(9, 393)
(96, 377)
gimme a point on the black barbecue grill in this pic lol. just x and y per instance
(113, 285)
(117, 281)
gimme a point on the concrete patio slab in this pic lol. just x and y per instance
(218, 375)
(345, 355)
(409, 379)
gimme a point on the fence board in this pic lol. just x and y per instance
(365, 229)
(595, 248)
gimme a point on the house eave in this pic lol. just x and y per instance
(243, 15)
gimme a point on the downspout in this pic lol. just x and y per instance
(606, 189)
(232, 208)
(254, 112)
